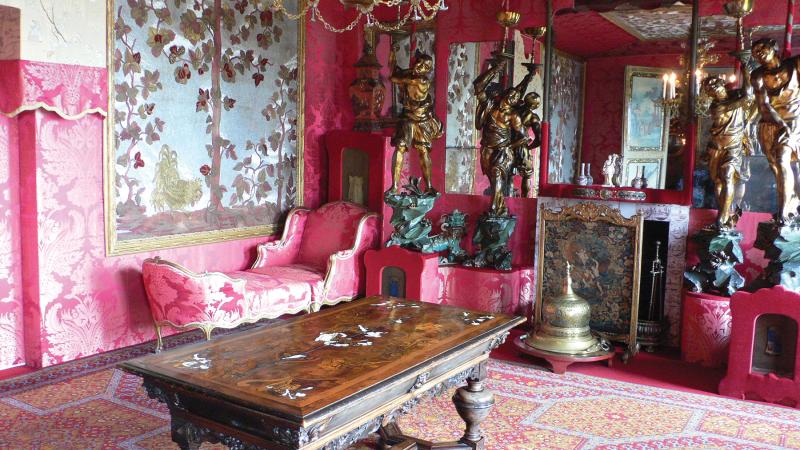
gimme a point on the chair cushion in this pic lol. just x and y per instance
(182, 298)
(329, 229)
(278, 289)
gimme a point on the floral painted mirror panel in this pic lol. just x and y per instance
(205, 130)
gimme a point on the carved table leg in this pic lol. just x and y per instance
(473, 403)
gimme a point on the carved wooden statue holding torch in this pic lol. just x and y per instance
(418, 127)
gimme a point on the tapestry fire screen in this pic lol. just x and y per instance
(205, 129)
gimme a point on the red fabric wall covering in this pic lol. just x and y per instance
(604, 101)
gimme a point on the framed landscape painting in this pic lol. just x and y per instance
(643, 122)
(204, 138)
(604, 249)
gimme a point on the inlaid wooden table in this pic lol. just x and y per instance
(327, 379)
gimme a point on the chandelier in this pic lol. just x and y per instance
(415, 11)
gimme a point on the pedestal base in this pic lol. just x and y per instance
(491, 239)
(719, 251)
(781, 245)
(705, 329)
(559, 361)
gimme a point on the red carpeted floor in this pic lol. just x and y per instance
(665, 370)
(653, 402)
(535, 409)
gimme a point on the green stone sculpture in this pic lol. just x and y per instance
(719, 252)
(781, 245)
(454, 228)
(491, 241)
(411, 228)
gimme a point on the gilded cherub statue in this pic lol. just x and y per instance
(777, 96)
(524, 154)
(728, 146)
(418, 127)
(500, 120)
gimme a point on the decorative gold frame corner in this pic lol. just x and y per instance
(115, 247)
(593, 212)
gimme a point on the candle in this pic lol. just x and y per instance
(672, 80)
(698, 76)
(664, 88)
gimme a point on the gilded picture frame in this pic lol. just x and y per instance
(642, 120)
(189, 157)
(604, 249)
(653, 171)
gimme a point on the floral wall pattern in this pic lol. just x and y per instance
(193, 149)
(77, 301)
(11, 335)
(565, 118)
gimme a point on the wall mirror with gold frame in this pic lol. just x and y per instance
(607, 95)
(465, 63)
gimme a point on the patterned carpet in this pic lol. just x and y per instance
(535, 410)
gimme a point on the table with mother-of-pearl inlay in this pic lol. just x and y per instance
(327, 379)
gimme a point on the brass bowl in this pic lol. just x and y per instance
(534, 32)
(508, 18)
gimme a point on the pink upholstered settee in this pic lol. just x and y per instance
(318, 261)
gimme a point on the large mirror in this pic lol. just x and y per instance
(765, 20)
(619, 85)
(466, 61)
(394, 48)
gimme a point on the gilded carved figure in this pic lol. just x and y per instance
(524, 154)
(499, 116)
(777, 96)
(728, 146)
(418, 127)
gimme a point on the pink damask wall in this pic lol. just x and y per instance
(11, 342)
(78, 302)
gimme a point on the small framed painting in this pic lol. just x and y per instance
(650, 169)
(643, 121)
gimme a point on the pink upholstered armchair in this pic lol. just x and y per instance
(318, 261)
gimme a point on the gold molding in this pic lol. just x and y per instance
(115, 247)
(594, 212)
